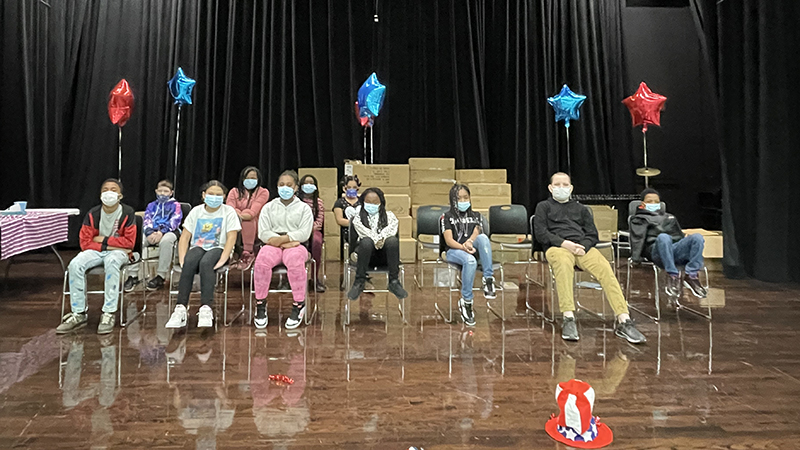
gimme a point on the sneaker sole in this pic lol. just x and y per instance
(259, 326)
(696, 294)
(570, 338)
(489, 297)
(103, 332)
(627, 338)
(209, 325)
(299, 321)
(151, 289)
(75, 328)
(173, 327)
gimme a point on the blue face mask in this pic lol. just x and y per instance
(309, 188)
(213, 201)
(372, 208)
(653, 207)
(463, 206)
(162, 198)
(285, 192)
(352, 193)
(250, 183)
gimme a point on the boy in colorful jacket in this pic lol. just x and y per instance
(162, 221)
(107, 238)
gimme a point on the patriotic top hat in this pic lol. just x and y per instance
(575, 426)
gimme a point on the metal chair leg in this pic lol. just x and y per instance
(679, 306)
(450, 276)
(225, 313)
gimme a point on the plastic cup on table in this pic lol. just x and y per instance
(22, 205)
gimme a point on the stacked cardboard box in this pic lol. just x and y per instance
(606, 220)
(431, 180)
(488, 187)
(468, 176)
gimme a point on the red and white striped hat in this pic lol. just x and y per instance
(575, 425)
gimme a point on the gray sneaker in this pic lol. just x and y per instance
(569, 329)
(71, 322)
(106, 324)
(627, 330)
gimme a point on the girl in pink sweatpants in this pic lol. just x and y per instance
(283, 225)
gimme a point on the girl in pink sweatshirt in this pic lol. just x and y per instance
(247, 199)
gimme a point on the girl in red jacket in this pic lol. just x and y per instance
(107, 238)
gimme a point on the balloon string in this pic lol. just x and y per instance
(119, 164)
(177, 140)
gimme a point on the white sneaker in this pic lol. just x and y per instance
(205, 317)
(178, 318)
(296, 318)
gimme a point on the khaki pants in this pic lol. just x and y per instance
(563, 263)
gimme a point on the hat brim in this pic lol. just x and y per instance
(604, 435)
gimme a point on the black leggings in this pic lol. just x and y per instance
(199, 261)
(369, 256)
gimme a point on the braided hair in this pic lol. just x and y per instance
(313, 196)
(383, 220)
(460, 225)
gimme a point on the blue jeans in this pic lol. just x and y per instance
(687, 252)
(469, 265)
(112, 262)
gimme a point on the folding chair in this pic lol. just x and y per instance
(350, 267)
(427, 225)
(656, 272)
(100, 270)
(221, 274)
(454, 271)
(280, 269)
(514, 220)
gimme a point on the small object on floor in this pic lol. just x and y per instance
(569, 329)
(156, 283)
(627, 330)
(130, 284)
(296, 317)
(575, 426)
(280, 379)
(106, 324)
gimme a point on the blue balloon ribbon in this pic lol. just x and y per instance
(567, 105)
(180, 86)
(370, 97)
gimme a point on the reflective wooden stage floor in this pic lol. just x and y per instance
(733, 383)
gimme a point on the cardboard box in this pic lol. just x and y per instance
(329, 196)
(332, 244)
(606, 220)
(447, 164)
(327, 177)
(408, 250)
(480, 202)
(431, 199)
(481, 176)
(398, 204)
(401, 190)
(380, 175)
(713, 247)
(490, 189)
(331, 228)
(423, 190)
(405, 225)
(433, 176)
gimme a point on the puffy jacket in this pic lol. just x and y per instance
(645, 226)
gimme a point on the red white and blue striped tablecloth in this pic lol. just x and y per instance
(21, 233)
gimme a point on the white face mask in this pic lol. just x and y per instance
(561, 194)
(109, 198)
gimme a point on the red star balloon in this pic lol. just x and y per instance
(120, 103)
(645, 107)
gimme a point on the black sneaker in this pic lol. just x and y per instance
(488, 288)
(397, 289)
(693, 284)
(320, 288)
(356, 290)
(627, 330)
(296, 317)
(261, 320)
(130, 284)
(467, 314)
(156, 283)
(673, 287)
(569, 329)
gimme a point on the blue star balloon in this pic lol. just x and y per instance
(180, 86)
(567, 105)
(370, 97)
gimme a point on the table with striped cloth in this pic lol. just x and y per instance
(36, 229)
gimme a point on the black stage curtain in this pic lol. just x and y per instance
(751, 50)
(276, 82)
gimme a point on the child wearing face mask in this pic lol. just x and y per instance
(284, 225)
(207, 240)
(345, 206)
(378, 244)
(107, 237)
(463, 234)
(162, 221)
(309, 193)
(247, 199)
